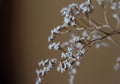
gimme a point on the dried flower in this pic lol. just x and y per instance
(81, 37)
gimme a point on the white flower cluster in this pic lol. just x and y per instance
(54, 46)
(63, 66)
(46, 66)
(70, 57)
(56, 31)
(115, 5)
(73, 10)
(74, 38)
(68, 14)
(82, 37)
(86, 7)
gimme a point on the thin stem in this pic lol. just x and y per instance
(105, 15)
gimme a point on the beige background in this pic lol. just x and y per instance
(32, 21)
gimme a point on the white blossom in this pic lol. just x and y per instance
(63, 55)
(47, 65)
(82, 51)
(118, 59)
(54, 46)
(97, 45)
(115, 5)
(56, 30)
(86, 7)
(74, 38)
(79, 45)
(115, 15)
(60, 68)
(54, 60)
(73, 71)
(41, 63)
(38, 80)
(65, 11)
(51, 37)
(77, 63)
(73, 5)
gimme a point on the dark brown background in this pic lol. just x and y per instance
(31, 22)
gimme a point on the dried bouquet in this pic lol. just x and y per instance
(84, 33)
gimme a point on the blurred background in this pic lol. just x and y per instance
(29, 23)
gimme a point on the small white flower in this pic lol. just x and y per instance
(54, 46)
(69, 49)
(73, 23)
(76, 12)
(50, 46)
(82, 51)
(54, 60)
(45, 69)
(77, 63)
(86, 7)
(50, 37)
(71, 79)
(74, 39)
(79, 45)
(66, 64)
(66, 20)
(56, 30)
(118, 59)
(48, 68)
(73, 5)
(64, 11)
(38, 80)
(42, 72)
(64, 26)
(60, 68)
(114, 6)
(73, 71)
(85, 34)
(41, 63)
(115, 15)
(63, 55)
(68, 54)
(97, 45)
(38, 72)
